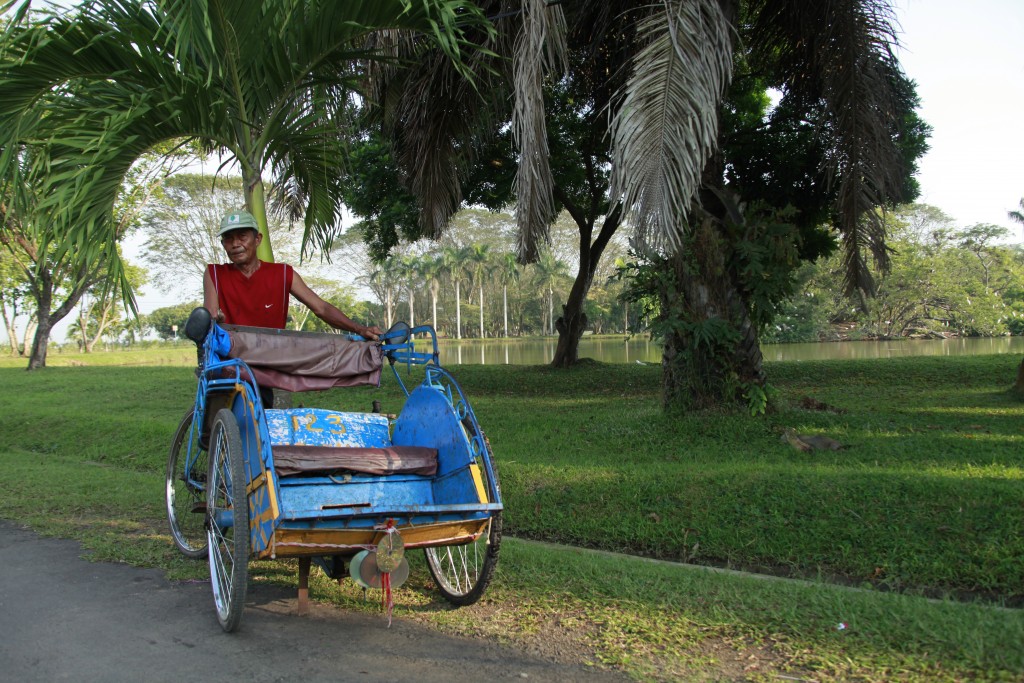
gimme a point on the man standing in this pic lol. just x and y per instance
(248, 291)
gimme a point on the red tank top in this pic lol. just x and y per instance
(260, 300)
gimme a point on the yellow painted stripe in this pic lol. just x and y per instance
(478, 479)
(256, 483)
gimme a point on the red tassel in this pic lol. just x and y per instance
(389, 604)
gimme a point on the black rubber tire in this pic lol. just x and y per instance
(226, 500)
(185, 492)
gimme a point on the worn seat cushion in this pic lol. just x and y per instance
(289, 460)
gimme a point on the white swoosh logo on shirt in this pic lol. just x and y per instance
(267, 305)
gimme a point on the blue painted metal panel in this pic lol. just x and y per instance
(318, 427)
(256, 449)
(396, 492)
(428, 419)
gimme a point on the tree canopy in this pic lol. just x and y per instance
(88, 90)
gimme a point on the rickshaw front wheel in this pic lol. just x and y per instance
(228, 520)
(185, 489)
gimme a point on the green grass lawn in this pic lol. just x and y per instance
(926, 500)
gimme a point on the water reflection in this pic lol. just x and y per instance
(616, 350)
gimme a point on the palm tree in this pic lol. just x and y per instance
(676, 60)
(548, 272)
(433, 269)
(455, 260)
(479, 260)
(384, 281)
(1017, 216)
(412, 272)
(508, 272)
(265, 83)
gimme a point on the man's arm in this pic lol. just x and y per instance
(327, 312)
(210, 297)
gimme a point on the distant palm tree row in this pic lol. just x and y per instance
(476, 278)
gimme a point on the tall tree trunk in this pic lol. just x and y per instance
(551, 310)
(504, 307)
(412, 311)
(30, 332)
(458, 312)
(713, 355)
(40, 341)
(12, 333)
(481, 310)
(433, 301)
(573, 322)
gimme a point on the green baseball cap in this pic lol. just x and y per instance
(237, 220)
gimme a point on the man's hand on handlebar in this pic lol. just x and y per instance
(372, 333)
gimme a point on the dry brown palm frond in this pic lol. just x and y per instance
(667, 125)
(540, 51)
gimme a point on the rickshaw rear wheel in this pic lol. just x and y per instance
(185, 489)
(228, 520)
(462, 572)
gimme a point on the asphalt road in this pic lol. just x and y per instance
(64, 618)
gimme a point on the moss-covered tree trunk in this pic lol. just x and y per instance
(712, 354)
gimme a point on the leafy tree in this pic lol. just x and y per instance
(491, 176)
(98, 310)
(93, 88)
(659, 73)
(15, 299)
(942, 281)
(169, 322)
(181, 224)
(384, 281)
(333, 292)
(58, 275)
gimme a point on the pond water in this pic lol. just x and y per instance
(617, 350)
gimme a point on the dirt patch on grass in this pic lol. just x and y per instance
(612, 641)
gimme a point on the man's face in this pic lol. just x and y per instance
(241, 244)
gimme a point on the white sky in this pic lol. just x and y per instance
(968, 61)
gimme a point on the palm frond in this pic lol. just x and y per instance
(667, 125)
(264, 80)
(431, 113)
(841, 53)
(539, 54)
(1017, 216)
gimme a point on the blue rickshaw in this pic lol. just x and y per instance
(339, 489)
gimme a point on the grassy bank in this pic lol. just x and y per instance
(926, 499)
